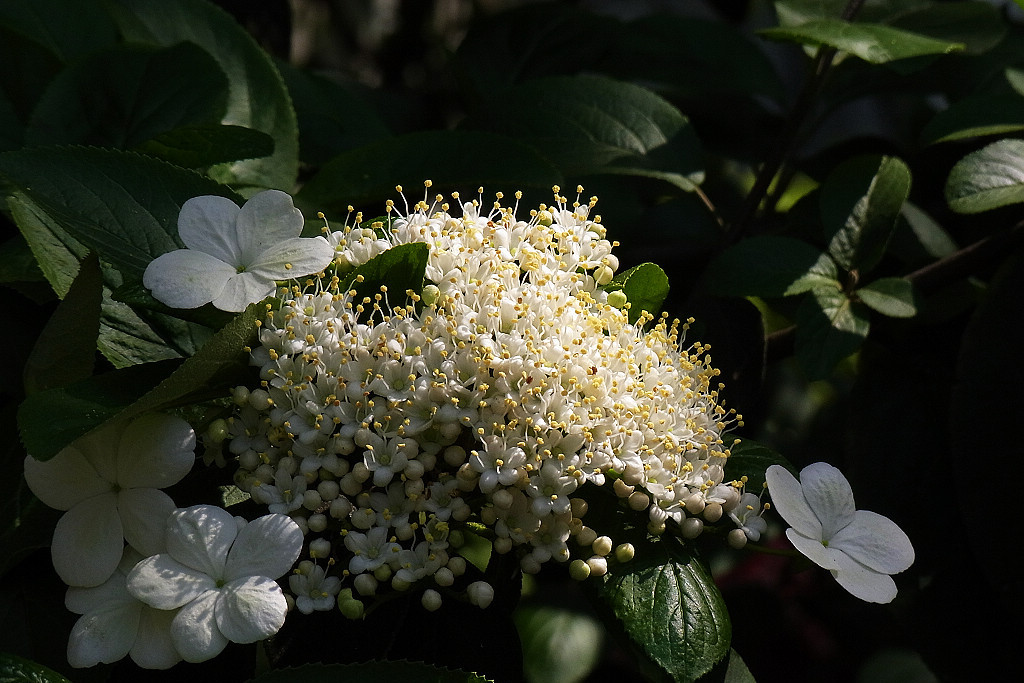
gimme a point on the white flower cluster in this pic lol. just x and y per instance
(385, 423)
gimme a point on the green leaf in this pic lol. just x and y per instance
(988, 178)
(670, 608)
(67, 28)
(370, 672)
(690, 57)
(400, 269)
(737, 671)
(769, 265)
(559, 645)
(123, 96)
(333, 117)
(257, 97)
(202, 146)
(15, 669)
(591, 124)
(830, 327)
(50, 420)
(874, 43)
(54, 250)
(645, 287)
(531, 41)
(59, 358)
(750, 459)
(860, 203)
(121, 204)
(936, 242)
(12, 131)
(219, 363)
(17, 264)
(976, 116)
(978, 25)
(891, 296)
(370, 173)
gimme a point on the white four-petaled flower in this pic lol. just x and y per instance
(861, 549)
(234, 255)
(109, 482)
(114, 624)
(222, 573)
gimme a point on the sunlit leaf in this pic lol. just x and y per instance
(873, 43)
(988, 178)
(14, 669)
(860, 203)
(645, 287)
(891, 296)
(670, 608)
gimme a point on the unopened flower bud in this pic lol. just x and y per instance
(444, 577)
(692, 527)
(638, 500)
(586, 536)
(617, 298)
(430, 295)
(579, 570)
(578, 507)
(431, 600)
(365, 584)
(480, 593)
(625, 552)
(621, 488)
(598, 566)
(319, 547)
(602, 545)
(737, 539)
(713, 512)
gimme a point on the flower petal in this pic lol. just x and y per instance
(266, 219)
(305, 255)
(153, 647)
(207, 224)
(88, 541)
(104, 635)
(788, 500)
(155, 451)
(829, 494)
(111, 592)
(194, 631)
(186, 278)
(144, 515)
(812, 548)
(162, 582)
(251, 609)
(64, 480)
(200, 536)
(242, 289)
(267, 546)
(864, 583)
(876, 542)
